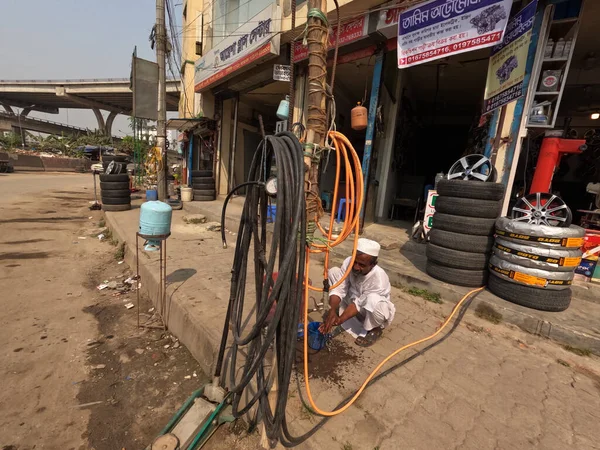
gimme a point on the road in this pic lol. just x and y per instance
(15, 185)
(74, 366)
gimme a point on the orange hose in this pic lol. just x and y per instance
(354, 203)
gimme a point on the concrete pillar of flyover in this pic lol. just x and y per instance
(100, 119)
(109, 123)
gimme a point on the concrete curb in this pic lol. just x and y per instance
(200, 339)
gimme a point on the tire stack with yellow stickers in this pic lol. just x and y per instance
(462, 234)
(534, 265)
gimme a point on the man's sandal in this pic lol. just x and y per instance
(371, 337)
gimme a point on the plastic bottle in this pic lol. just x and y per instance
(549, 48)
(559, 48)
(567, 50)
(438, 176)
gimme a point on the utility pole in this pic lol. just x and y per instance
(316, 122)
(161, 123)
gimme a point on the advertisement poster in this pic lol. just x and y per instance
(258, 38)
(442, 28)
(507, 63)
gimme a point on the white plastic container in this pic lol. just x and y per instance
(187, 195)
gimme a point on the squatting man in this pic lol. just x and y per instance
(364, 294)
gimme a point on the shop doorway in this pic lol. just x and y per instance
(438, 122)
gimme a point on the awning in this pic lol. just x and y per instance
(201, 125)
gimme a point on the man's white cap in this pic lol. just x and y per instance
(368, 247)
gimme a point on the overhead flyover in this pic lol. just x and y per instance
(112, 95)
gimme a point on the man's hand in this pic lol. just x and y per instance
(330, 322)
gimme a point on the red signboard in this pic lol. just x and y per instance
(255, 55)
(350, 32)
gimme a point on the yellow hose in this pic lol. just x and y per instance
(354, 200)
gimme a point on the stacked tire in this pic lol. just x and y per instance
(115, 193)
(462, 234)
(120, 165)
(203, 185)
(534, 265)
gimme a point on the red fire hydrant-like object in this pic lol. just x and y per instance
(549, 159)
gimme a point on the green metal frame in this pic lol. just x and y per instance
(222, 414)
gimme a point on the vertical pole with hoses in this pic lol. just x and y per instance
(316, 123)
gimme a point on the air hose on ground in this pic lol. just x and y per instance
(281, 281)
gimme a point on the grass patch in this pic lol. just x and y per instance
(397, 285)
(432, 297)
(120, 252)
(101, 223)
(306, 413)
(110, 238)
(577, 351)
(347, 446)
(486, 312)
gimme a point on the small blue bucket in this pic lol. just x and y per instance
(316, 339)
(151, 195)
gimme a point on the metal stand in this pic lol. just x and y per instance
(162, 290)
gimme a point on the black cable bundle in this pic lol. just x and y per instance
(287, 253)
(287, 250)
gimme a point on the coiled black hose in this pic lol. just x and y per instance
(284, 255)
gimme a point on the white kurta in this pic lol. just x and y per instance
(370, 293)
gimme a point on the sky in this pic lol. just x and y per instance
(66, 39)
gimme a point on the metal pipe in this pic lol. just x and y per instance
(190, 159)
(375, 84)
(217, 161)
(233, 143)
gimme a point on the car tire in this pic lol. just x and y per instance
(116, 200)
(460, 241)
(115, 208)
(474, 226)
(203, 180)
(540, 235)
(116, 158)
(460, 277)
(114, 177)
(204, 198)
(204, 187)
(468, 207)
(202, 173)
(564, 259)
(113, 185)
(526, 276)
(530, 297)
(117, 193)
(471, 189)
(204, 192)
(457, 259)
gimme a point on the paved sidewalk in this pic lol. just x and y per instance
(578, 326)
(485, 387)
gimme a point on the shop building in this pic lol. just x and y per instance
(422, 118)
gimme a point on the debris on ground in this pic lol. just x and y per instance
(194, 219)
(129, 305)
(213, 226)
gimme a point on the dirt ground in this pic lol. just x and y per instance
(81, 374)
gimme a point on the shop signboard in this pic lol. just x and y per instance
(506, 69)
(432, 196)
(351, 31)
(282, 72)
(252, 42)
(441, 28)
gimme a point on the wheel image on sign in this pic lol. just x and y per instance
(473, 167)
(542, 209)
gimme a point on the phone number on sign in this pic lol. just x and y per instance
(487, 40)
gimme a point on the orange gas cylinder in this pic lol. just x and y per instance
(358, 117)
